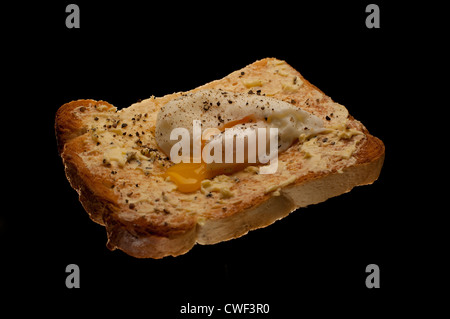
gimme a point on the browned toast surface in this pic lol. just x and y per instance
(112, 159)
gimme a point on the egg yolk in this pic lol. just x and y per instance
(189, 176)
(247, 119)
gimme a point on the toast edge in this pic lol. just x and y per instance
(69, 126)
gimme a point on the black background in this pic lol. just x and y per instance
(315, 259)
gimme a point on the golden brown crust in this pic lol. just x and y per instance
(69, 119)
(156, 234)
(94, 191)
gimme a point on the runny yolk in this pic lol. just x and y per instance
(189, 176)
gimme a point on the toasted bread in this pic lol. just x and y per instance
(112, 160)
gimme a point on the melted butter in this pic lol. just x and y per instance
(249, 83)
(292, 85)
(336, 142)
(115, 154)
(220, 184)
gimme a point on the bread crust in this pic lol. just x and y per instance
(68, 126)
(141, 237)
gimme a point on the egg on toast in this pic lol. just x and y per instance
(120, 161)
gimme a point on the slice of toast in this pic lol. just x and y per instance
(112, 159)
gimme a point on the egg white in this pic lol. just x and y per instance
(216, 108)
